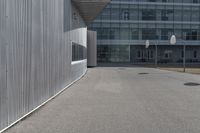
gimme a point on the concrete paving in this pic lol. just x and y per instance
(120, 100)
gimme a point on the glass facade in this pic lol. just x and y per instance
(115, 53)
(79, 52)
(130, 22)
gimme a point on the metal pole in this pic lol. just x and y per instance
(156, 57)
(184, 49)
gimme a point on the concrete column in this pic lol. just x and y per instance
(92, 48)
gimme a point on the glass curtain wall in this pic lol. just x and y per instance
(131, 22)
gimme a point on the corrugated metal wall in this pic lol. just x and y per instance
(35, 54)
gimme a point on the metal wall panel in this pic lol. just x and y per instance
(35, 54)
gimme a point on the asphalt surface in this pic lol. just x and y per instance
(120, 100)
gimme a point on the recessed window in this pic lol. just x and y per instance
(195, 1)
(149, 34)
(151, 54)
(148, 14)
(79, 52)
(182, 54)
(134, 34)
(166, 55)
(195, 54)
(139, 54)
(125, 15)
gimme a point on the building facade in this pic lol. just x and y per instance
(124, 26)
(43, 50)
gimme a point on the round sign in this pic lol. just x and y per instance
(173, 40)
(147, 44)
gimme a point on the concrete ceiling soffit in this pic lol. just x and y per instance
(90, 9)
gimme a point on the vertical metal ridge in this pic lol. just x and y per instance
(35, 54)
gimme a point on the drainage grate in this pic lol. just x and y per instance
(143, 73)
(192, 84)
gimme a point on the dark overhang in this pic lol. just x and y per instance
(90, 9)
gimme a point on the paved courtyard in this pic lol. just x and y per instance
(121, 100)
